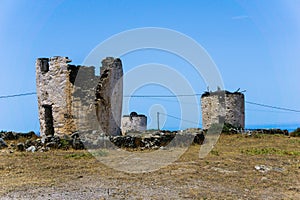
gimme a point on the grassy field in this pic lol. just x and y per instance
(228, 172)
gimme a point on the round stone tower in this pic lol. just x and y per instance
(133, 123)
(223, 107)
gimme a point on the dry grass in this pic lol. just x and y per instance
(226, 173)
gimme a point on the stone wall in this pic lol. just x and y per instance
(223, 107)
(109, 96)
(54, 92)
(133, 123)
(83, 102)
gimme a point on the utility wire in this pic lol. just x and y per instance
(271, 111)
(17, 95)
(273, 107)
(162, 96)
(172, 101)
(179, 118)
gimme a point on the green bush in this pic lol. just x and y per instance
(64, 144)
(229, 128)
(226, 129)
(295, 133)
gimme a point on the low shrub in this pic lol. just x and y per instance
(295, 133)
(226, 128)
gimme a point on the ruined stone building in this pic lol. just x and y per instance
(223, 107)
(133, 123)
(72, 97)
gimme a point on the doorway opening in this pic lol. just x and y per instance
(49, 129)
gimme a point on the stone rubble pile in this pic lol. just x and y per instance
(141, 141)
(14, 136)
(30, 142)
(158, 139)
(267, 131)
(93, 139)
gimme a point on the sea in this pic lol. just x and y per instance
(289, 127)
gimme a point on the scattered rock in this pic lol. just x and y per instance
(51, 144)
(2, 144)
(31, 149)
(28, 143)
(44, 149)
(297, 189)
(75, 135)
(199, 138)
(163, 148)
(21, 147)
(264, 179)
(223, 170)
(263, 168)
(77, 144)
(278, 169)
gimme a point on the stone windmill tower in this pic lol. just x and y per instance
(72, 98)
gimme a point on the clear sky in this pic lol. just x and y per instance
(255, 45)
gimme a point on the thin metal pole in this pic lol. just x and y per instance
(158, 120)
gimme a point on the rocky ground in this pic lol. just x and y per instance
(241, 166)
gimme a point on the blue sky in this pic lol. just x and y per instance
(255, 45)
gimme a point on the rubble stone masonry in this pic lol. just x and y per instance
(223, 106)
(69, 96)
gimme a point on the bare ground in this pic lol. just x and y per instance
(228, 172)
